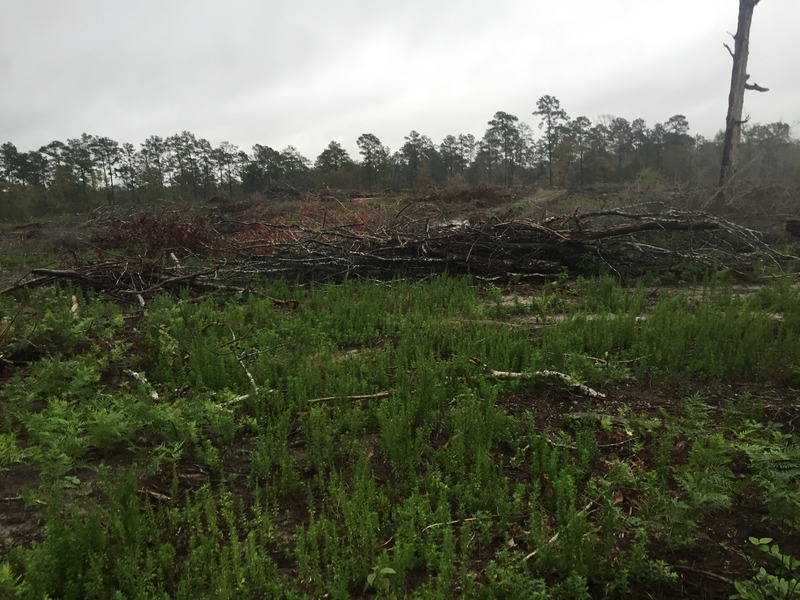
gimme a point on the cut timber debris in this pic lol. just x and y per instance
(357, 398)
(631, 241)
(567, 379)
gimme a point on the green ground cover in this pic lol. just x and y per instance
(348, 440)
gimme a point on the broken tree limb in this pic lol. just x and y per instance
(63, 274)
(375, 396)
(755, 87)
(30, 283)
(662, 225)
(181, 278)
(456, 521)
(141, 378)
(239, 359)
(534, 375)
(729, 49)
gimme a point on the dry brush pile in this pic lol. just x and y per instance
(153, 253)
(627, 241)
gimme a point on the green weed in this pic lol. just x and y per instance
(230, 447)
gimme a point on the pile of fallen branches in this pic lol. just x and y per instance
(130, 280)
(628, 241)
(152, 232)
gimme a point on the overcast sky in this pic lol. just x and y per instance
(305, 72)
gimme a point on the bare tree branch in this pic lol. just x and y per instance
(729, 49)
(569, 380)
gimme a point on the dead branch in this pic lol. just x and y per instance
(662, 225)
(728, 48)
(30, 283)
(708, 574)
(238, 358)
(568, 379)
(457, 521)
(536, 551)
(141, 378)
(755, 87)
(375, 396)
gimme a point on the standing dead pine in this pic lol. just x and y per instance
(739, 78)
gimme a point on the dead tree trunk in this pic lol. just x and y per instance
(739, 77)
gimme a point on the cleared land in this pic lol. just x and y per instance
(390, 438)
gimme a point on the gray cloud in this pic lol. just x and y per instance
(307, 72)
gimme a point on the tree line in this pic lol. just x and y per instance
(83, 173)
